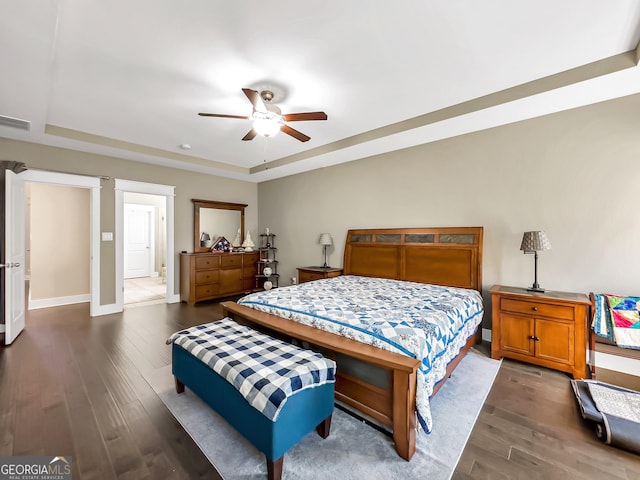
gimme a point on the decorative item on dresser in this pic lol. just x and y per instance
(544, 328)
(267, 275)
(307, 274)
(534, 242)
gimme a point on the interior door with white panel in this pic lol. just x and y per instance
(138, 241)
(14, 286)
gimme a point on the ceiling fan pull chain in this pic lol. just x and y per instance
(264, 150)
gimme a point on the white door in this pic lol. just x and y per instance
(14, 256)
(138, 241)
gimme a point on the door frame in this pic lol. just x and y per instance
(92, 183)
(167, 191)
(151, 211)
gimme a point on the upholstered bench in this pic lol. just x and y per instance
(270, 391)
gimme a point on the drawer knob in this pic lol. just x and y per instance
(534, 338)
(535, 309)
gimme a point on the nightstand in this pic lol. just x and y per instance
(306, 274)
(547, 329)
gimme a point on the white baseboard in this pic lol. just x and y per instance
(627, 365)
(100, 310)
(58, 301)
(486, 335)
(154, 275)
(175, 298)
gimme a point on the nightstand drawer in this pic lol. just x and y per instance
(562, 312)
(310, 276)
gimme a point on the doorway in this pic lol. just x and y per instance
(144, 234)
(91, 185)
(161, 274)
(57, 245)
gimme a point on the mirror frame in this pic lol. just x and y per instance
(198, 204)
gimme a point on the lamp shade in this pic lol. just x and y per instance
(325, 239)
(535, 241)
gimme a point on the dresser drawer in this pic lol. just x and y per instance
(250, 271)
(206, 291)
(250, 258)
(204, 262)
(563, 312)
(207, 276)
(231, 261)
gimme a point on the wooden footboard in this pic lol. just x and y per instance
(394, 406)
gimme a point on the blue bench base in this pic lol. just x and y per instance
(306, 410)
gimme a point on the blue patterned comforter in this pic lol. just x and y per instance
(428, 322)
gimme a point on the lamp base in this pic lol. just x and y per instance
(535, 289)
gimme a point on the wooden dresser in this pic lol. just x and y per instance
(307, 274)
(548, 329)
(204, 276)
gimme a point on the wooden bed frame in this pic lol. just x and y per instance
(443, 256)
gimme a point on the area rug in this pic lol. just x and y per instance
(353, 450)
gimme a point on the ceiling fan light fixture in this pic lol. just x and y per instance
(266, 126)
(268, 119)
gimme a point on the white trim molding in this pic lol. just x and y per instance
(58, 301)
(616, 363)
(486, 335)
(80, 181)
(106, 310)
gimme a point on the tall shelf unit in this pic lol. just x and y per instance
(267, 263)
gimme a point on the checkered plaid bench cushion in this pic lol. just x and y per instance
(266, 371)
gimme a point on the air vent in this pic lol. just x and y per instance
(15, 123)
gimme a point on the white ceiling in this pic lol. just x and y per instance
(127, 78)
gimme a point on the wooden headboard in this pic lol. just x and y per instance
(450, 256)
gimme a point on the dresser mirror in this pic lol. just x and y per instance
(213, 219)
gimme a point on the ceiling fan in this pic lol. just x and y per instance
(267, 118)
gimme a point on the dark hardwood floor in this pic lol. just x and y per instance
(530, 428)
(74, 385)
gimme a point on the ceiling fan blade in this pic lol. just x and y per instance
(294, 133)
(297, 117)
(220, 115)
(255, 99)
(250, 135)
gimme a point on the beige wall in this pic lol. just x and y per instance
(59, 230)
(574, 174)
(188, 185)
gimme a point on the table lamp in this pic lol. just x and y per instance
(325, 241)
(534, 242)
